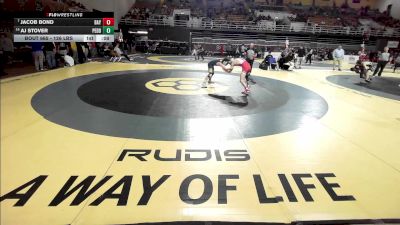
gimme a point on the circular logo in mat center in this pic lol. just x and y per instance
(132, 104)
(184, 86)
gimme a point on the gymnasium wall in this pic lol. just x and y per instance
(120, 7)
(382, 6)
(170, 33)
(146, 3)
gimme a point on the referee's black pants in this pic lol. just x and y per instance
(380, 66)
(250, 61)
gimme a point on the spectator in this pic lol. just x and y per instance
(124, 49)
(301, 53)
(396, 63)
(119, 53)
(116, 54)
(195, 52)
(309, 55)
(268, 55)
(147, 47)
(85, 49)
(229, 50)
(201, 52)
(286, 61)
(272, 62)
(242, 50)
(63, 48)
(106, 50)
(6, 45)
(38, 56)
(93, 49)
(2, 62)
(49, 49)
(74, 51)
(81, 53)
(69, 61)
(338, 56)
(237, 52)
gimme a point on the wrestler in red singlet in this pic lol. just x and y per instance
(246, 68)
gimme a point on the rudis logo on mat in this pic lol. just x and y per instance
(184, 86)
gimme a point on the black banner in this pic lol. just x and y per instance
(58, 30)
(37, 15)
(58, 22)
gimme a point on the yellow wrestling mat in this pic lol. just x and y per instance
(73, 159)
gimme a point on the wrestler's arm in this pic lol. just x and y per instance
(224, 67)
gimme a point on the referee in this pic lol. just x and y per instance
(383, 59)
(250, 56)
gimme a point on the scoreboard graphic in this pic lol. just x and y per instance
(65, 27)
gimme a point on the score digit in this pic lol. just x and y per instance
(108, 30)
(108, 21)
